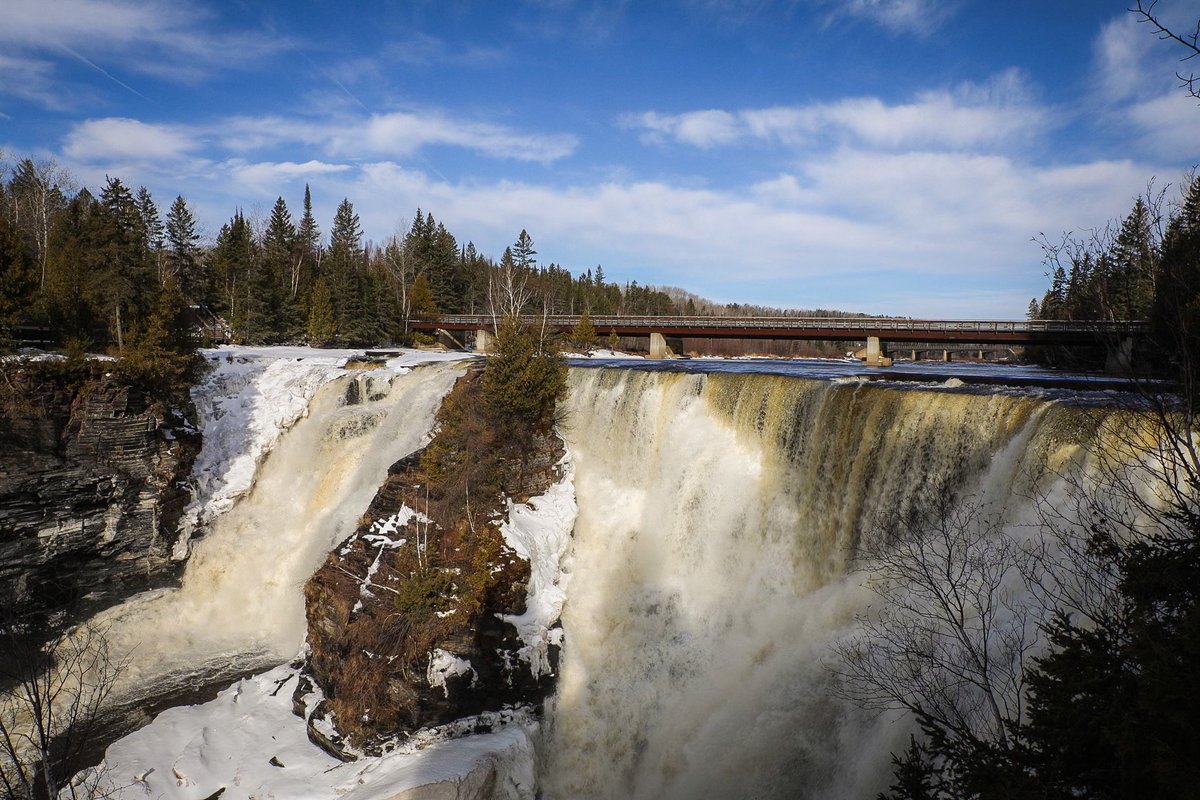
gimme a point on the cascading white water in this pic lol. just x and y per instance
(717, 517)
(240, 606)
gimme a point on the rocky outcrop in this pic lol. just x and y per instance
(404, 618)
(92, 483)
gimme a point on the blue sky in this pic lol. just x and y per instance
(888, 156)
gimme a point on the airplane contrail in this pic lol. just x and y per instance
(99, 69)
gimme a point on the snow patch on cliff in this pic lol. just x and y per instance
(540, 532)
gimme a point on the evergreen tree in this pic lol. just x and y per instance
(183, 252)
(342, 269)
(421, 299)
(583, 336)
(234, 263)
(523, 252)
(308, 243)
(128, 271)
(1134, 265)
(152, 222)
(321, 325)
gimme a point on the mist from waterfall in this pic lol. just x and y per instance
(718, 516)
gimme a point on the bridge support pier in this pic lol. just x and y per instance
(946, 356)
(484, 341)
(658, 347)
(876, 355)
(1119, 359)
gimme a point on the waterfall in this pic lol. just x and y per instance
(718, 516)
(240, 605)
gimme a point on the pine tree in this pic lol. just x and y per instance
(342, 268)
(183, 252)
(1134, 265)
(583, 335)
(421, 299)
(321, 326)
(234, 263)
(127, 267)
(152, 222)
(523, 252)
(308, 243)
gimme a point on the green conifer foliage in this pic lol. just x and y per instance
(321, 325)
(524, 379)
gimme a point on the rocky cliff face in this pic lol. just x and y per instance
(404, 617)
(92, 484)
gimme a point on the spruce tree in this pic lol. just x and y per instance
(152, 222)
(127, 276)
(308, 244)
(342, 269)
(183, 251)
(321, 326)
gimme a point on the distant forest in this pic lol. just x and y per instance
(1146, 267)
(93, 269)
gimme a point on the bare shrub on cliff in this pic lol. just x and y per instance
(51, 696)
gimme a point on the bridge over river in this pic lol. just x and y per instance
(876, 332)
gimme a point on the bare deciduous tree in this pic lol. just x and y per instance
(51, 698)
(1189, 41)
(949, 637)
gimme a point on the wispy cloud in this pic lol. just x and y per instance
(165, 40)
(396, 135)
(990, 115)
(1137, 90)
(424, 50)
(270, 177)
(32, 79)
(921, 17)
(352, 137)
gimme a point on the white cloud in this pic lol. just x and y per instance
(900, 16)
(913, 223)
(30, 79)
(272, 177)
(116, 138)
(698, 128)
(394, 135)
(1121, 48)
(402, 133)
(993, 115)
(163, 39)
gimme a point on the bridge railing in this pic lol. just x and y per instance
(822, 323)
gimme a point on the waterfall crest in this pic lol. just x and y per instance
(718, 516)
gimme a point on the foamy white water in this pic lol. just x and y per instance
(716, 518)
(240, 606)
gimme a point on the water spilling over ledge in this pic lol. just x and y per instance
(719, 516)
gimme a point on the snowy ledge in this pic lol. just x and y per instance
(249, 743)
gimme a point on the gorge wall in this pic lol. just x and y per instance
(93, 481)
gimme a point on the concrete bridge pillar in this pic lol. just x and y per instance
(658, 347)
(914, 355)
(485, 341)
(876, 355)
(946, 355)
(1119, 359)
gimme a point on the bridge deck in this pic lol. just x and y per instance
(889, 329)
